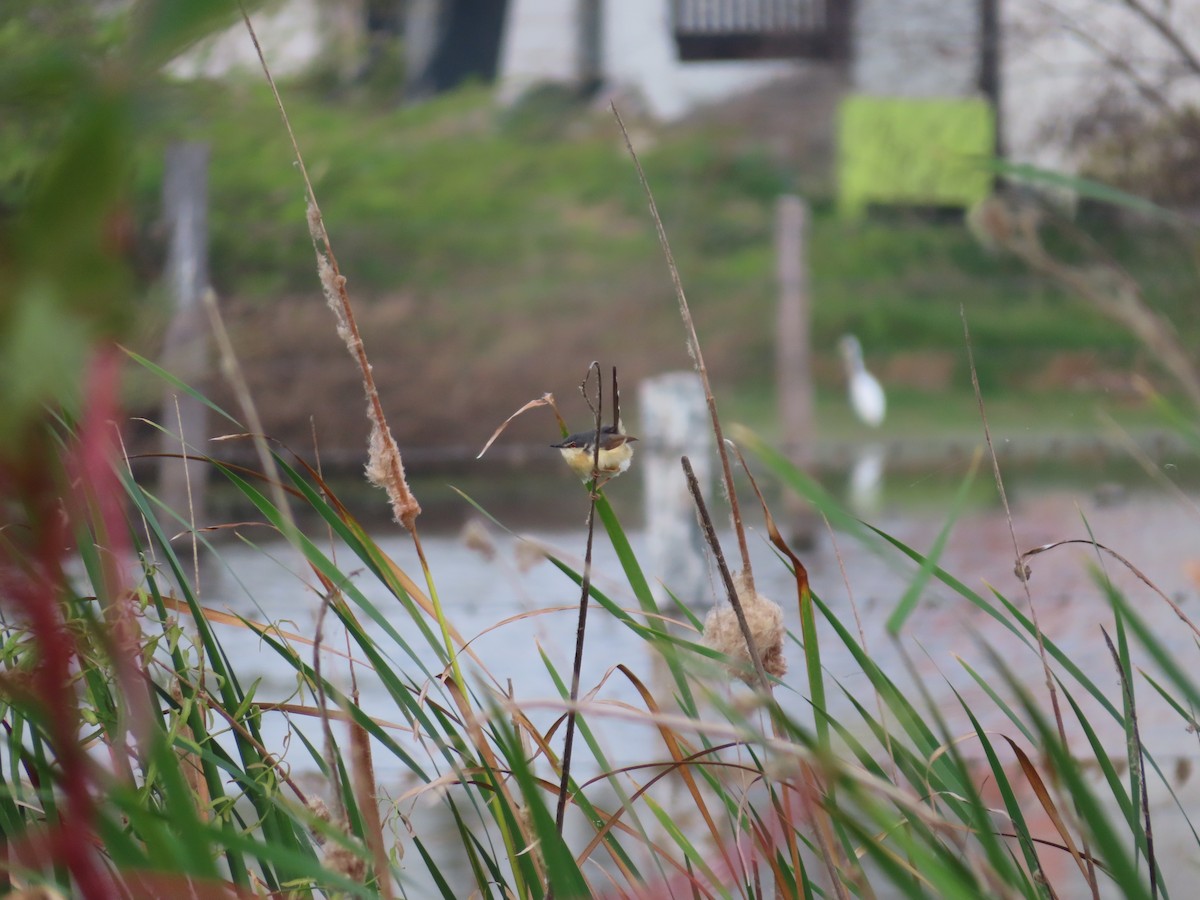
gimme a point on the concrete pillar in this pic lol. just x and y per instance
(675, 423)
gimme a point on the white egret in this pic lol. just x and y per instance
(870, 405)
(866, 393)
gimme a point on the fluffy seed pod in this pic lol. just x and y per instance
(765, 619)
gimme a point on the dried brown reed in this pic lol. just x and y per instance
(750, 629)
(693, 345)
(385, 467)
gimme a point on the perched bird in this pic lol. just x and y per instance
(615, 454)
(866, 394)
(579, 450)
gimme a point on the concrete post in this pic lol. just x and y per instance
(675, 424)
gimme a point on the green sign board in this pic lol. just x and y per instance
(907, 151)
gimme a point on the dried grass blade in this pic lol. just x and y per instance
(190, 764)
(671, 740)
(1043, 795)
(224, 618)
(338, 715)
(363, 778)
(1137, 573)
(544, 400)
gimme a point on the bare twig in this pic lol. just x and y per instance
(237, 381)
(187, 481)
(1122, 64)
(327, 598)
(710, 535)
(1168, 32)
(335, 785)
(1138, 573)
(1019, 567)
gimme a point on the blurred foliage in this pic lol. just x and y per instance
(63, 118)
(47, 49)
(544, 112)
(76, 87)
(1142, 149)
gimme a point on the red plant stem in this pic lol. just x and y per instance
(99, 498)
(33, 574)
(36, 596)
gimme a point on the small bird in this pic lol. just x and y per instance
(579, 450)
(615, 454)
(866, 394)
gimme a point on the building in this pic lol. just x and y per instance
(1020, 74)
(929, 85)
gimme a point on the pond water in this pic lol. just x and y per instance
(515, 608)
(485, 598)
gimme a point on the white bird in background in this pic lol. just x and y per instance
(870, 405)
(866, 393)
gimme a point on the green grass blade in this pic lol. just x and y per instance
(912, 593)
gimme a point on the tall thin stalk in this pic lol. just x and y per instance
(585, 590)
(693, 345)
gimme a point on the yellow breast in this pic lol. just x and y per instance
(612, 462)
(615, 461)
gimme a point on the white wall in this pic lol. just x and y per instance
(539, 44)
(638, 51)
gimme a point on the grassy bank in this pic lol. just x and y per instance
(506, 249)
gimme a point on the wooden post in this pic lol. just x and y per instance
(185, 349)
(674, 424)
(793, 355)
